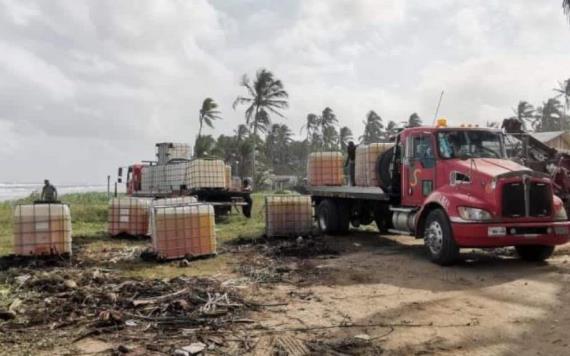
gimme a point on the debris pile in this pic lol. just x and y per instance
(275, 260)
(81, 303)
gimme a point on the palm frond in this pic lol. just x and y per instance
(241, 100)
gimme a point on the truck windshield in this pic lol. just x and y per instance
(470, 144)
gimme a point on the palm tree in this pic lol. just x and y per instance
(550, 116)
(330, 138)
(327, 119)
(564, 91)
(525, 114)
(373, 128)
(241, 133)
(265, 95)
(208, 113)
(391, 128)
(414, 120)
(344, 137)
(204, 146)
(566, 7)
(311, 125)
(281, 138)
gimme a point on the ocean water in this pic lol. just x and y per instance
(11, 191)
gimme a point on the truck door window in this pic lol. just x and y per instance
(422, 150)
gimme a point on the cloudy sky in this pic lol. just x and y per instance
(86, 86)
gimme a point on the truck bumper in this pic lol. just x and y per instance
(510, 234)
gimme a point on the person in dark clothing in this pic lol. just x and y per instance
(49, 193)
(246, 187)
(350, 159)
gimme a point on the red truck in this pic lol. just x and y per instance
(454, 188)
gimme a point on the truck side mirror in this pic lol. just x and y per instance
(120, 174)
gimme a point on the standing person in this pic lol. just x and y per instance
(246, 188)
(49, 193)
(351, 150)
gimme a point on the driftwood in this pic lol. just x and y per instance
(160, 299)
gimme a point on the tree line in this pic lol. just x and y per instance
(260, 146)
(551, 115)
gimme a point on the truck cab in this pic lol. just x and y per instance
(455, 188)
(133, 178)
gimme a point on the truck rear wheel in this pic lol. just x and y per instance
(438, 239)
(328, 217)
(534, 252)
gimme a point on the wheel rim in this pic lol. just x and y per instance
(434, 237)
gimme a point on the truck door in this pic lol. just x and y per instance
(419, 166)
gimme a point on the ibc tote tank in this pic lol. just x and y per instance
(228, 176)
(180, 231)
(42, 229)
(325, 168)
(207, 174)
(361, 165)
(288, 215)
(128, 215)
(374, 150)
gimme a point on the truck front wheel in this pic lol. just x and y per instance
(534, 252)
(438, 239)
(328, 217)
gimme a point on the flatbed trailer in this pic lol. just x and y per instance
(340, 206)
(348, 192)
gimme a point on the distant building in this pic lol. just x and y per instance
(559, 140)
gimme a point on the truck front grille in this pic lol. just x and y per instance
(540, 198)
(531, 199)
(513, 200)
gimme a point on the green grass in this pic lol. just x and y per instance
(89, 219)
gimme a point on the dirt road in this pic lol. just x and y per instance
(361, 294)
(486, 305)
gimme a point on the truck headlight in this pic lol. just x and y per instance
(474, 214)
(560, 214)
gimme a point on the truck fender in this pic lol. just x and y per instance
(422, 215)
(436, 200)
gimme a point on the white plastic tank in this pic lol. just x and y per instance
(181, 231)
(288, 215)
(206, 173)
(361, 165)
(325, 168)
(128, 215)
(374, 150)
(42, 229)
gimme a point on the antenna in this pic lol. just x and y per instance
(437, 109)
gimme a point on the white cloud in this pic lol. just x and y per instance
(93, 84)
(31, 68)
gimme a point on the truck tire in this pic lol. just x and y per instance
(328, 217)
(383, 168)
(536, 253)
(343, 218)
(438, 239)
